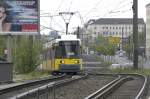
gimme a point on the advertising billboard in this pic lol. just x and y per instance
(19, 16)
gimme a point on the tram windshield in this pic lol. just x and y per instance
(68, 49)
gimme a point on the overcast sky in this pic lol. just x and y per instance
(85, 10)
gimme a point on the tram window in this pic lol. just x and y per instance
(68, 49)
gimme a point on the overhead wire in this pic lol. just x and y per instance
(70, 5)
(93, 8)
(51, 28)
(108, 12)
(124, 5)
(52, 20)
(58, 24)
(59, 5)
(82, 19)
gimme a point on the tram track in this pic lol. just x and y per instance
(76, 87)
(19, 88)
(91, 86)
(128, 86)
(43, 90)
(133, 89)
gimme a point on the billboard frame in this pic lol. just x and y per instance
(3, 33)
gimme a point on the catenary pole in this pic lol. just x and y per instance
(135, 34)
(66, 17)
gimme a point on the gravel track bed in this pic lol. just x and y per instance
(81, 88)
(128, 90)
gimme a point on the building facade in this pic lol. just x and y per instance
(115, 27)
(148, 31)
(117, 30)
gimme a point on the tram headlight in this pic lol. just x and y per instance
(62, 62)
(77, 61)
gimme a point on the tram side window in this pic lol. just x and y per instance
(58, 52)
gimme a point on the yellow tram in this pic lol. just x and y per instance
(63, 55)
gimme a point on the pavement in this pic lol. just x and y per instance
(4, 86)
(19, 80)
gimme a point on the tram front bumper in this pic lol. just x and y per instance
(69, 67)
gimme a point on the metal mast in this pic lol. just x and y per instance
(66, 17)
(135, 33)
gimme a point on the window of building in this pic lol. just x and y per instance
(129, 33)
(103, 33)
(106, 27)
(106, 33)
(110, 33)
(113, 33)
(116, 33)
(142, 29)
(139, 27)
(129, 27)
(110, 27)
(116, 27)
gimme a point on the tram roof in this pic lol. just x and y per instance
(63, 38)
(68, 38)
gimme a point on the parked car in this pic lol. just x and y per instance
(121, 53)
(114, 66)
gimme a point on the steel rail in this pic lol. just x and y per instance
(47, 87)
(141, 92)
(28, 84)
(103, 88)
(142, 89)
(104, 91)
(139, 95)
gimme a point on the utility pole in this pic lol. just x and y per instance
(9, 48)
(66, 17)
(135, 33)
(30, 50)
(78, 32)
(122, 39)
(129, 42)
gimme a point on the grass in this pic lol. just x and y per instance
(129, 70)
(31, 75)
(99, 58)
